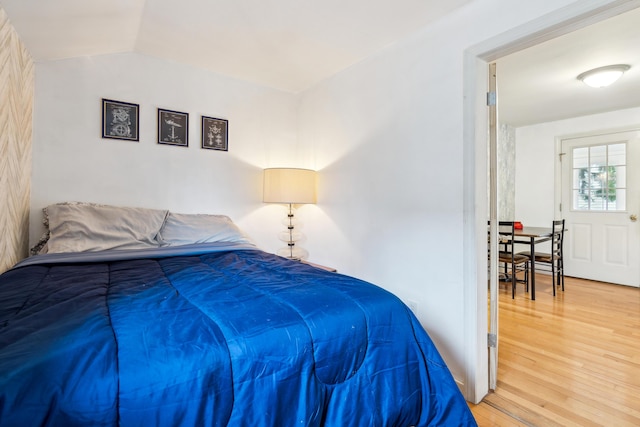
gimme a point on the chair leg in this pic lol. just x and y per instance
(513, 282)
(554, 277)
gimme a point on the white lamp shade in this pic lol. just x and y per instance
(289, 185)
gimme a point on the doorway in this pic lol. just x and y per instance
(477, 59)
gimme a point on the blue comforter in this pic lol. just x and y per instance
(223, 337)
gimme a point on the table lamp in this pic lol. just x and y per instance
(290, 186)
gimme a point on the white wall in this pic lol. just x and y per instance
(387, 136)
(536, 160)
(72, 162)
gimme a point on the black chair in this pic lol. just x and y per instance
(512, 262)
(554, 259)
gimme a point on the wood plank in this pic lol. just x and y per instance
(487, 415)
(569, 360)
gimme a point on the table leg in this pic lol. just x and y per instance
(532, 273)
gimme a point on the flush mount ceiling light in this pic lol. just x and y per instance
(603, 76)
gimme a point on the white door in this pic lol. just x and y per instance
(600, 201)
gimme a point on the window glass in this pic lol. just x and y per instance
(621, 200)
(581, 157)
(598, 156)
(621, 176)
(599, 177)
(617, 154)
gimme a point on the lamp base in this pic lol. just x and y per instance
(295, 253)
(290, 236)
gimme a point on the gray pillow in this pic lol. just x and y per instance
(80, 227)
(184, 229)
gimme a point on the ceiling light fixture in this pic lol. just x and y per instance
(603, 76)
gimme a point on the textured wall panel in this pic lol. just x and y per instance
(507, 173)
(16, 106)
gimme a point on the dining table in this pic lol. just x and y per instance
(532, 236)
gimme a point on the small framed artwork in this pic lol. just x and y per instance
(215, 133)
(173, 128)
(120, 120)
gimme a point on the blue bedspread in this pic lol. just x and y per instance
(230, 337)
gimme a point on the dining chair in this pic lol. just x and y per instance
(554, 259)
(512, 262)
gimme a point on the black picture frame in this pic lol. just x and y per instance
(173, 127)
(215, 133)
(120, 120)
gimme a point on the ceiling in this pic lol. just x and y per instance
(294, 44)
(540, 84)
(285, 44)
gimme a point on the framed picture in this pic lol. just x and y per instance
(215, 133)
(173, 128)
(120, 120)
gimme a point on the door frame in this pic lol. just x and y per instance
(475, 173)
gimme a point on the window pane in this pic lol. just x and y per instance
(598, 179)
(610, 199)
(621, 176)
(580, 157)
(621, 200)
(598, 156)
(580, 201)
(598, 203)
(580, 178)
(617, 154)
(611, 178)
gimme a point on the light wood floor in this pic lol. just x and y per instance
(572, 360)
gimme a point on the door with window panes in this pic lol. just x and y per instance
(600, 199)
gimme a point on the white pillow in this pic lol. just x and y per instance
(80, 227)
(184, 229)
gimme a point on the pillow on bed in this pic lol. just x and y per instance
(184, 229)
(41, 245)
(80, 227)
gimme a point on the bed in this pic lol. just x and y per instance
(137, 317)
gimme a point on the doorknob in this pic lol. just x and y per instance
(633, 217)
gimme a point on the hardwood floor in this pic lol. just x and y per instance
(572, 360)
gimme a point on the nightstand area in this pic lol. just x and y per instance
(321, 267)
